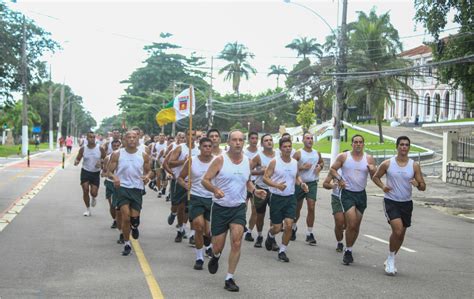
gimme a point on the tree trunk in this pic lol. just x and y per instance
(379, 122)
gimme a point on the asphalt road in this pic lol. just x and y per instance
(49, 250)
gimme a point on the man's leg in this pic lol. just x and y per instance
(397, 236)
(218, 243)
(311, 204)
(339, 225)
(198, 225)
(86, 198)
(353, 219)
(299, 206)
(125, 211)
(236, 232)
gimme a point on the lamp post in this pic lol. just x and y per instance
(248, 126)
(263, 126)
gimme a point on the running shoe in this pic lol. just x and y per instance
(192, 242)
(390, 267)
(258, 243)
(171, 218)
(347, 258)
(248, 237)
(179, 237)
(87, 213)
(121, 239)
(209, 252)
(282, 257)
(114, 224)
(340, 247)
(231, 286)
(198, 264)
(213, 265)
(127, 249)
(293, 234)
(310, 239)
(135, 233)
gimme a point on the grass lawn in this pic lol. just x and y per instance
(11, 150)
(458, 120)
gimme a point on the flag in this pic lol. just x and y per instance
(177, 109)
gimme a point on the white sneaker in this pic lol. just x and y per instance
(87, 213)
(93, 202)
(390, 267)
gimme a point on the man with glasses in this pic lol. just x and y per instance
(355, 167)
(402, 174)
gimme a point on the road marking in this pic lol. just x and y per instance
(464, 216)
(385, 242)
(150, 278)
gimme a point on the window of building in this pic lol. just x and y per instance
(428, 104)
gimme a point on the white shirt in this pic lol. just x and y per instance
(232, 180)
(284, 173)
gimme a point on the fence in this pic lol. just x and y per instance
(381, 155)
(465, 148)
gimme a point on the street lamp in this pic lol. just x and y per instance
(263, 126)
(248, 126)
(314, 12)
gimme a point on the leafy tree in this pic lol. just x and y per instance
(434, 17)
(12, 117)
(306, 115)
(305, 46)
(238, 56)
(277, 70)
(238, 126)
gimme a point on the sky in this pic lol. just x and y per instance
(102, 41)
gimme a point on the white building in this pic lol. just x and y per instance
(436, 101)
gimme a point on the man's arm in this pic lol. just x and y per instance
(268, 174)
(320, 165)
(327, 184)
(147, 173)
(80, 154)
(112, 166)
(418, 181)
(104, 166)
(256, 162)
(213, 170)
(174, 156)
(381, 171)
(340, 159)
(371, 165)
(183, 175)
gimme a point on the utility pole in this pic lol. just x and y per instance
(341, 67)
(61, 104)
(50, 99)
(209, 101)
(69, 124)
(24, 80)
(173, 128)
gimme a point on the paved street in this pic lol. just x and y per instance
(51, 250)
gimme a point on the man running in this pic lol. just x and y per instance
(281, 176)
(228, 178)
(201, 199)
(179, 199)
(129, 168)
(156, 148)
(251, 151)
(178, 140)
(260, 163)
(215, 136)
(109, 184)
(107, 146)
(355, 167)
(402, 173)
(69, 142)
(310, 163)
(93, 155)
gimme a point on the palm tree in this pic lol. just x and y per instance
(373, 46)
(277, 70)
(305, 46)
(238, 56)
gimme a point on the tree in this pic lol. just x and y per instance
(306, 115)
(373, 46)
(238, 56)
(305, 46)
(277, 70)
(11, 38)
(12, 117)
(434, 17)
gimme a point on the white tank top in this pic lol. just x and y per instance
(335, 189)
(398, 178)
(130, 169)
(183, 156)
(355, 173)
(251, 155)
(284, 173)
(142, 148)
(157, 148)
(264, 160)
(232, 180)
(309, 175)
(198, 169)
(106, 166)
(91, 158)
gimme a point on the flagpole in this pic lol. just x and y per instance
(190, 138)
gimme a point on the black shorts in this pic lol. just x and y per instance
(92, 177)
(396, 209)
(261, 204)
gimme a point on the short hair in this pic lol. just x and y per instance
(283, 140)
(403, 138)
(233, 131)
(135, 129)
(213, 130)
(90, 132)
(203, 140)
(252, 133)
(285, 134)
(307, 133)
(265, 135)
(357, 135)
(115, 141)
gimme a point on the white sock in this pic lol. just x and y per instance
(259, 234)
(293, 226)
(249, 231)
(282, 248)
(192, 233)
(127, 243)
(217, 255)
(349, 249)
(229, 276)
(181, 228)
(270, 235)
(210, 246)
(199, 254)
(310, 231)
(391, 255)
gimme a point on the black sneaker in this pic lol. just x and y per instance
(185, 236)
(275, 246)
(198, 264)
(347, 258)
(310, 239)
(231, 286)
(258, 243)
(159, 195)
(269, 243)
(293, 234)
(126, 250)
(283, 258)
(135, 233)
(168, 197)
(248, 237)
(179, 237)
(171, 218)
(209, 252)
(120, 240)
(339, 247)
(163, 191)
(114, 224)
(213, 265)
(192, 242)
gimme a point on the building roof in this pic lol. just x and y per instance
(423, 49)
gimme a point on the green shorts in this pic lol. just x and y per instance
(132, 197)
(261, 204)
(313, 191)
(336, 204)
(357, 199)
(109, 189)
(199, 206)
(282, 207)
(222, 217)
(180, 195)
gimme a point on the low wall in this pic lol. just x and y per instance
(460, 173)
